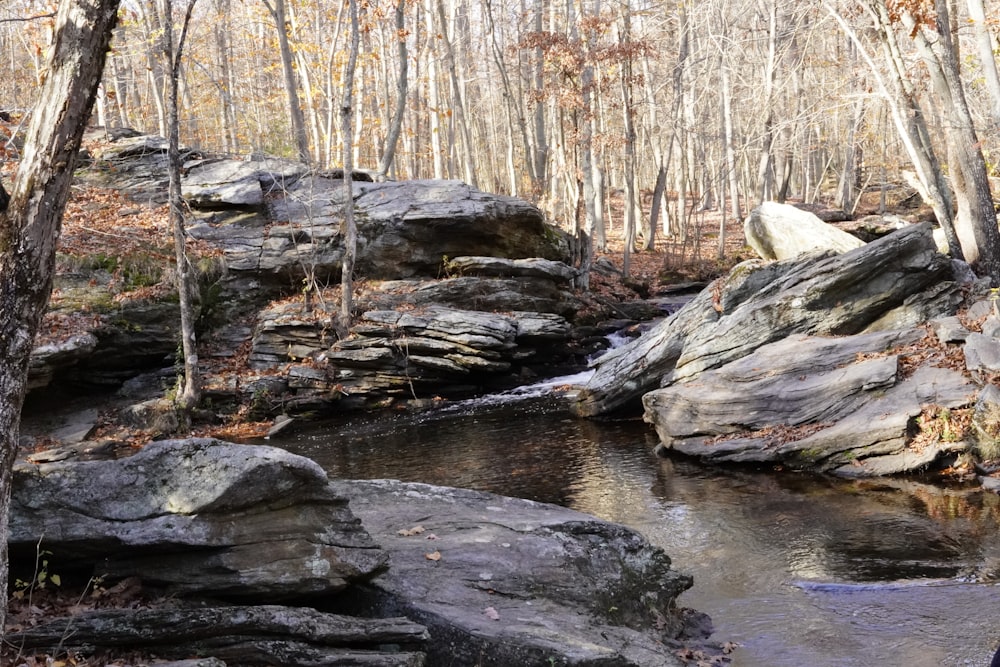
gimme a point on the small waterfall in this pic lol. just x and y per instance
(536, 390)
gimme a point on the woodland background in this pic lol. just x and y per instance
(700, 106)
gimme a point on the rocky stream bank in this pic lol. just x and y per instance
(850, 359)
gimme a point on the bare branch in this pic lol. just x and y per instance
(25, 19)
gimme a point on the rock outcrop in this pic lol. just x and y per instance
(238, 635)
(502, 581)
(841, 405)
(413, 339)
(494, 580)
(433, 255)
(759, 303)
(748, 372)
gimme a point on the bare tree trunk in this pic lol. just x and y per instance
(765, 166)
(984, 44)
(541, 147)
(31, 221)
(909, 119)
(297, 118)
(458, 100)
(152, 22)
(630, 195)
(350, 226)
(847, 186)
(433, 90)
(514, 113)
(727, 130)
(402, 88)
(188, 398)
(939, 53)
(224, 47)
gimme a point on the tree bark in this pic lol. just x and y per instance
(402, 88)
(188, 397)
(908, 118)
(458, 100)
(984, 44)
(981, 245)
(29, 228)
(296, 116)
(350, 227)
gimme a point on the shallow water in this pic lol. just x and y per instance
(800, 570)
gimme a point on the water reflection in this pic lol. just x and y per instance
(801, 570)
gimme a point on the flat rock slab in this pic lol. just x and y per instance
(250, 635)
(198, 516)
(502, 581)
(873, 440)
(798, 380)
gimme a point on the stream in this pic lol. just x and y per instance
(799, 570)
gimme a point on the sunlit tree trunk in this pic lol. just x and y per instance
(350, 226)
(31, 221)
(908, 118)
(402, 89)
(433, 90)
(295, 114)
(939, 54)
(631, 205)
(765, 164)
(457, 100)
(987, 59)
(190, 393)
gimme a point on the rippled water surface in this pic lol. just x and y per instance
(799, 570)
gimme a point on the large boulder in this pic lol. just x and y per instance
(781, 231)
(822, 294)
(197, 516)
(405, 229)
(841, 405)
(501, 581)
(279, 221)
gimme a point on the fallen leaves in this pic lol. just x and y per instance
(410, 532)
(433, 556)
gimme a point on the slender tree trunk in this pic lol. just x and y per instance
(152, 22)
(939, 54)
(586, 133)
(908, 118)
(224, 46)
(630, 159)
(460, 117)
(188, 398)
(350, 226)
(984, 44)
(727, 131)
(31, 221)
(541, 153)
(297, 118)
(402, 88)
(433, 90)
(765, 165)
